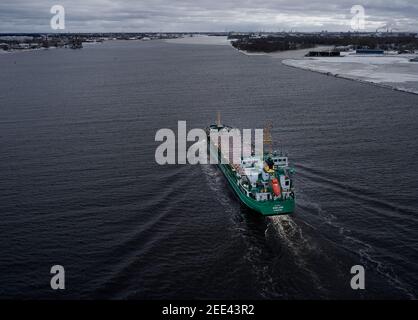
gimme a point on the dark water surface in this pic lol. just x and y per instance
(79, 185)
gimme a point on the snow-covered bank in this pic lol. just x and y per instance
(391, 71)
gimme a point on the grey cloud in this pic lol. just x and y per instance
(205, 15)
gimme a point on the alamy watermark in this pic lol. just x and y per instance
(58, 280)
(358, 280)
(234, 144)
(58, 20)
(358, 21)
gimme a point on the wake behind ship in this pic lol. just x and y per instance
(263, 184)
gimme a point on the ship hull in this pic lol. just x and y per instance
(265, 208)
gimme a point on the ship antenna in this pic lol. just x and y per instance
(267, 139)
(219, 119)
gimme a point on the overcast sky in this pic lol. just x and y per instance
(206, 15)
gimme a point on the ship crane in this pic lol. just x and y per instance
(267, 139)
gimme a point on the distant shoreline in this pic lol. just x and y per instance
(387, 71)
(378, 71)
(291, 58)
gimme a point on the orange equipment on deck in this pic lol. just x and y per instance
(276, 187)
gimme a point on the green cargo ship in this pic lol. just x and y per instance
(263, 184)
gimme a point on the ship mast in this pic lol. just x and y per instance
(267, 138)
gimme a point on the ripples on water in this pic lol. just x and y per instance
(80, 186)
